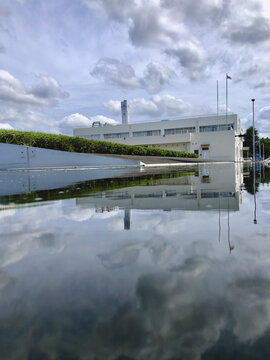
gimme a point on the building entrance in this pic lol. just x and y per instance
(205, 152)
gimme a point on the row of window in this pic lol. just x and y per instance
(222, 127)
(180, 130)
(134, 134)
(116, 135)
(185, 130)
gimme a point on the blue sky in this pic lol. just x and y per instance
(66, 63)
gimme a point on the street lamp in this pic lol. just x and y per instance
(253, 133)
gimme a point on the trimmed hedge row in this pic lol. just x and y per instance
(80, 145)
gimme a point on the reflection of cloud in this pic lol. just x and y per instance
(82, 214)
(4, 280)
(183, 308)
(6, 213)
(157, 248)
(119, 258)
(16, 246)
(51, 242)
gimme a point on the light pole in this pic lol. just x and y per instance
(253, 133)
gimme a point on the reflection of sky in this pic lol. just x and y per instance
(72, 280)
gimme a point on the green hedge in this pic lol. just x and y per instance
(79, 145)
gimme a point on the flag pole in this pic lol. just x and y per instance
(226, 101)
(217, 104)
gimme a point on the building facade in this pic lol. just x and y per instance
(210, 137)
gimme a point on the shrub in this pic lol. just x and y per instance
(80, 145)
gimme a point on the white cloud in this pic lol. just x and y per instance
(45, 93)
(155, 76)
(6, 126)
(72, 121)
(22, 106)
(114, 107)
(157, 105)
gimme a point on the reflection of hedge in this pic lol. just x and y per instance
(91, 187)
(79, 145)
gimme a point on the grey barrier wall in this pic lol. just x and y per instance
(26, 157)
(21, 181)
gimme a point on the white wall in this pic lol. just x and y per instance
(18, 156)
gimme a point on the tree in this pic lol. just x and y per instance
(248, 139)
(266, 142)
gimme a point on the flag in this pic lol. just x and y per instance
(229, 77)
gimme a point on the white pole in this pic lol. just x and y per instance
(217, 105)
(226, 100)
(253, 133)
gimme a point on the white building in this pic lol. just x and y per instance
(210, 137)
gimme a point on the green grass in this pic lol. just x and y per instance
(79, 145)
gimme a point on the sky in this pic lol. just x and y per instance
(67, 63)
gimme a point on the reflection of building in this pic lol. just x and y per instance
(209, 190)
(209, 136)
(127, 219)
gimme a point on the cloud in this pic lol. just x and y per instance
(155, 76)
(152, 26)
(192, 58)
(116, 72)
(263, 120)
(247, 22)
(157, 105)
(6, 126)
(48, 88)
(113, 106)
(257, 31)
(183, 30)
(78, 120)
(45, 93)
(23, 106)
(156, 25)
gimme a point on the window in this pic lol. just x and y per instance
(180, 130)
(147, 133)
(116, 135)
(196, 152)
(222, 127)
(92, 137)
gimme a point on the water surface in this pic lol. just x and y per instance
(147, 266)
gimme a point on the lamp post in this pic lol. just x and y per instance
(253, 133)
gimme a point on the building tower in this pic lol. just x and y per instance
(125, 112)
(127, 219)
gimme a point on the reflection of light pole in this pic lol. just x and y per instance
(253, 134)
(254, 195)
(231, 247)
